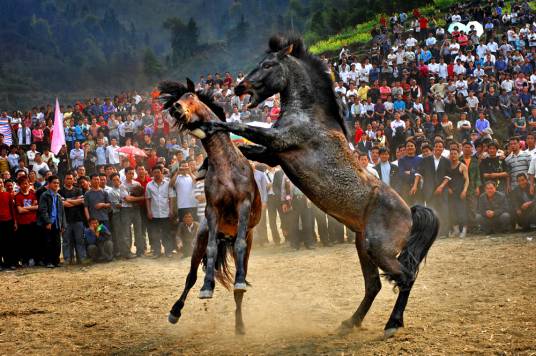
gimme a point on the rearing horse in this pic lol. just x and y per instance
(233, 200)
(309, 142)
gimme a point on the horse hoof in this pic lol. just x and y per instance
(172, 318)
(388, 333)
(344, 329)
(206, 294)
(240, 287)
(240, 330)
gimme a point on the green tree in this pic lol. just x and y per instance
(151, 66)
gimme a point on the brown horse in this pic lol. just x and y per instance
(309, 142)
(233, 200)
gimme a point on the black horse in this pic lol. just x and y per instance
(233, 200)
(309, 142)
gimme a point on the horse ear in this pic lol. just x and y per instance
(286, 51)
(190, 85)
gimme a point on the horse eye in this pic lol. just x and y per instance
(266, 65)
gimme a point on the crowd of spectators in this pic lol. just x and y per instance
(445, 117)
(447, 114)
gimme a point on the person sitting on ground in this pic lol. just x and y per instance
(492, 213)
(99, 241)
(186, 233)
(524, 203)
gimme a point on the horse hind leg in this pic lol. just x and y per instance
(397, 273)
(207, 290)
(191, 278)
(373, 286)
(241, 246)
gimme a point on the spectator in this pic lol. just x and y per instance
(52, 220)
(160, 210)
(73, 236)
(131, 195)
(524, 203)
(517, 162)
(184, 185)
(99, 241)
(77, 155)
(493, 214)
(186, 233)
(8, 226)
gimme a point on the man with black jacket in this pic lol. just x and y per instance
(523, 202)
(51, 218)
(493, 210)
(434, 172)
(387, 171)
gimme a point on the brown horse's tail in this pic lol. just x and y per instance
(223, 273)
(423, 234)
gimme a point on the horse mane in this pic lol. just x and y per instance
(317, 70)
(171, 91)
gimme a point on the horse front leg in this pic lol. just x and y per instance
(212, 254)
(275, 139)
(259, 154)
(200, 247)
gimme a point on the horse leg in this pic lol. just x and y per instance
(212, 253)
(372, 286)
(240, 329)
(259, 154)
(240, 245)
(396, 272)
(276, 138)
(197, 256)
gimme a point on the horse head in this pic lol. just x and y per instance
(270, 76)
(187, 106)
(290, 69)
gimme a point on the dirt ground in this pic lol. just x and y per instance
(475, 295)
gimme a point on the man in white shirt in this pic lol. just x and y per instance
(40, 167)
(184, 184)
(411, 42)
(235, 115)
(112, 155)
(493, 46)
(160, 209)
(31, 154)
(340, 88)
(77, 155)
(366, 165)
(481, 49)
(431, 40)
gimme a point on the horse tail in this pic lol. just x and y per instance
(223, 273)
(423, 234)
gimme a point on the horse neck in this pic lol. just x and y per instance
(301, 95)
(220, 150)
(298, 95)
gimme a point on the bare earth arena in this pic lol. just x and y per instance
(472, 296)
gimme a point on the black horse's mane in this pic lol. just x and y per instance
(171, 91)
(318, 71)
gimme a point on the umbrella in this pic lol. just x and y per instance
(132, 151)
(475, 25)
(461, 27)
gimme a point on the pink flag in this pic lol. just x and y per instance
(58, 134)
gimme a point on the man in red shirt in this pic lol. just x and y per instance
(358, 132)
(8, 226)
(26, 207)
